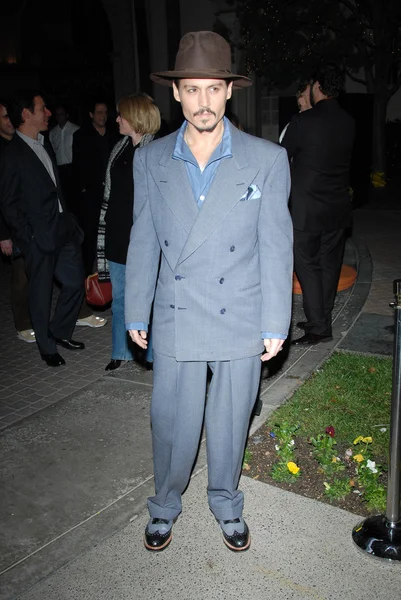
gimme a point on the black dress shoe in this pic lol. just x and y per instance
(311, 339)
(113, 364)
(237, 541)
(142, 362)
(158, 534)
(53, 360)
(70, 344)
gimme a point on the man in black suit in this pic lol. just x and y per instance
(34, 210)
(319, 142)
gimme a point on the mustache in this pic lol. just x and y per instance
(204, 110)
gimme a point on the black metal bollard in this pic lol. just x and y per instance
(381, 535)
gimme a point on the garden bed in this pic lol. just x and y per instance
(349, 398)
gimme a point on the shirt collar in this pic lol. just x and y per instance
(224, 149)
(30, 141)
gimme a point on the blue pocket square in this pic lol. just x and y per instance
(252, 193)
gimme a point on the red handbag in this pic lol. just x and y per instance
(97, 292)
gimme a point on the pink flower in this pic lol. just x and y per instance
(331, 431)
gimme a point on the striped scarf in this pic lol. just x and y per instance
(102, 266)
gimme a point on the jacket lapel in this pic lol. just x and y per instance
(231, 181)
(30, 154)
(172, 180)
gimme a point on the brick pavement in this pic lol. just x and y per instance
(381, 232)
(27, 384)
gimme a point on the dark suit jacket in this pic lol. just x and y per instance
(319, 142)
(29, 198)
(90, 154)
(4, 232)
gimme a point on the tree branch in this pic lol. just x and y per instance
(350, 6)
(355, 78)
(367, 42)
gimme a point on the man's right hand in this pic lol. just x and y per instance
(6, 246)
(139, 337)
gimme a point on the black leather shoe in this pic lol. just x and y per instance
(70, 344)
(142, 362)
(158, 534)
(113, 364)
(53, 360)
(311, 339)
(237, 541)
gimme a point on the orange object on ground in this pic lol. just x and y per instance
(347, 278)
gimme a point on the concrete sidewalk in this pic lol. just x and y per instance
(301, 549)
(76, 474)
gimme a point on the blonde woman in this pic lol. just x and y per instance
(138, 119)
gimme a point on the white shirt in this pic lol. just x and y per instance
(38, 147)
(282, 134)
(61, 140)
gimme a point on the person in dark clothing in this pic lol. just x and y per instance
(33, 207)
(19, 281)
(138, 120)
(319, 142)
(90, 153)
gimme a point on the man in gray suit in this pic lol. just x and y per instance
(213, 201)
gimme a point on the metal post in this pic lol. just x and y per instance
(381, 535)
(394, 470)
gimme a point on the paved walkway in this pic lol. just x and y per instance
(27, 384)
(381, 232)
(76, 474)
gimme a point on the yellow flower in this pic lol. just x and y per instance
(358, 439)
(378, 179)
(358, 458)
(326, 485)
(334, 459)
(367, 440)
(292, 467)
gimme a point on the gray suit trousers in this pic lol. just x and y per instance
(177, 413)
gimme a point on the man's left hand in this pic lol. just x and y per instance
(272, 347)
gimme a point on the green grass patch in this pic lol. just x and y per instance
(247, 457)
(351, 393)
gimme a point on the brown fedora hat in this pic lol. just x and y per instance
(202, 55)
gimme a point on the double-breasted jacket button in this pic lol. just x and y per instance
(165, 242)
(223, 311)
(172, 306)
(232, 248)
(178, 277)
(221, 280)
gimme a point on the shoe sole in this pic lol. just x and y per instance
(27, 341)
(324, 341)
(91, 326)
(159, 548)
(234, 548)
(54, 366)
(69, 347)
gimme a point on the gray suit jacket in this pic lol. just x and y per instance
(226, 270)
